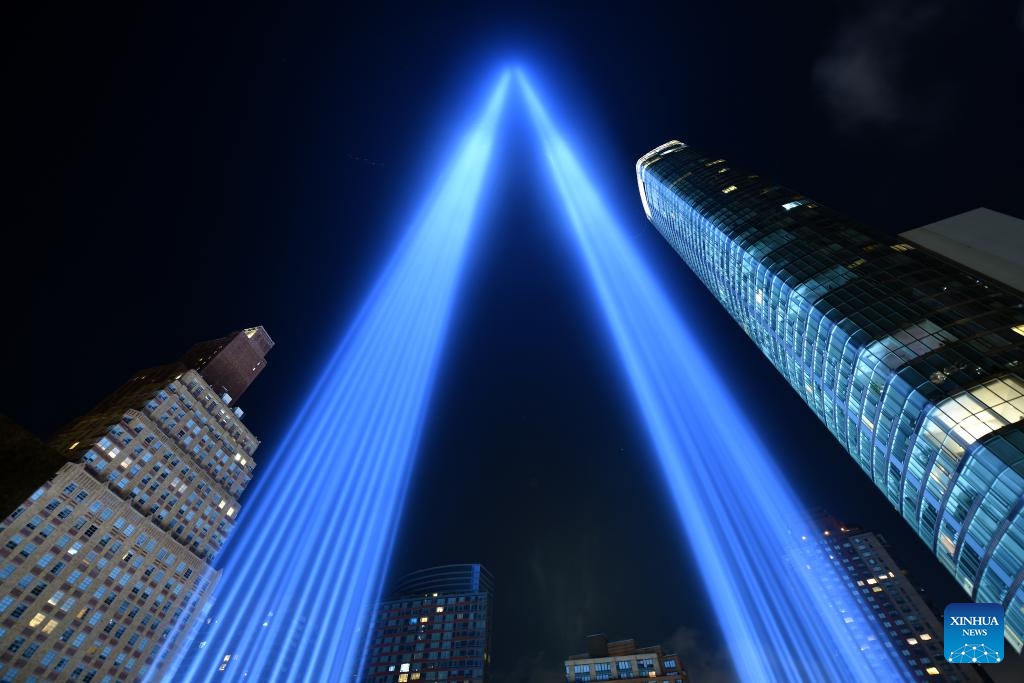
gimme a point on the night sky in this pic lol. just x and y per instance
(175, 173)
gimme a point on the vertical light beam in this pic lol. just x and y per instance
(318, 528)
(785, 611)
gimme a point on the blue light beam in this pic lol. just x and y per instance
(784, 610)
(320, 523)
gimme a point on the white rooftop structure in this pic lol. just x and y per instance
(987, 241)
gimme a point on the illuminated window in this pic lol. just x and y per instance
(872, 582)
(440, 609)
(716, 161)
(925, 636)
(911, 641)
(932, 671)
(876, 589)
(50, 625)
(72, 446)
(979, 411)
(731, 188)
(903, 247)
(1019, 329)
(405, 668)
(37, 619)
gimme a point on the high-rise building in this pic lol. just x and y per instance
(622, 660)
(900, 616)
(434, 626)
(106, 564)
(912, 361)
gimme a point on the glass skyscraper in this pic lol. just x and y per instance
(434, 626)
(913, 362)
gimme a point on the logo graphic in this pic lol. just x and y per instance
(973, 633)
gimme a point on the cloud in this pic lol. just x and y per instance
(865, 77)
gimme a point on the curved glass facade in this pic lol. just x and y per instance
(913, 362)
(449, 578)
(434, 626)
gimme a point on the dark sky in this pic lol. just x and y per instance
(177, 172)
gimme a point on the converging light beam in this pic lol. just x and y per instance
(319, 526)
(785, 611)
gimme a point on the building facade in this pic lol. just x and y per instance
(106, 565)
(912, 361)
(897, 609)
(622, 660)
(434, 626)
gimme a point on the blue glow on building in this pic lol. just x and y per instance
(319, 526)
(785, 611)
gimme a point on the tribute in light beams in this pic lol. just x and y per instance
(318, 529)
(783, 609)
